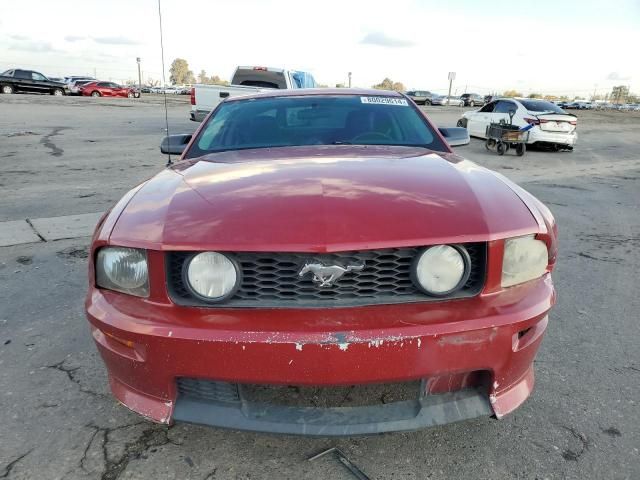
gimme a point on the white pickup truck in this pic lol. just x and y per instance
(245, 81)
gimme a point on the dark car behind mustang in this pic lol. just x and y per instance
(324, 239)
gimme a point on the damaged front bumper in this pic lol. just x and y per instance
(471, 357)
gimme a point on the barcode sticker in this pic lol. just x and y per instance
(385, 101)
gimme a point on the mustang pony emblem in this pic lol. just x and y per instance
(326, 276)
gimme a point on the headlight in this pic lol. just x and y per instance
(525, 258)
(212, 276)
(442, 269)
(123, 269)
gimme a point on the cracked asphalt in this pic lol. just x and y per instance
(62, 156)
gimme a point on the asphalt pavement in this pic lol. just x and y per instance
(61, 158)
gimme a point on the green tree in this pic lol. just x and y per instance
(180, 73)
(202, 77)
(534, 95)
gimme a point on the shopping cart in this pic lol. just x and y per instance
(503, 136)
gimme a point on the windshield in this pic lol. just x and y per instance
(541, 106)
(314, 120)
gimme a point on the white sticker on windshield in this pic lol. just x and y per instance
(385, 101)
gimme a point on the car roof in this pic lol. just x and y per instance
(303, 92)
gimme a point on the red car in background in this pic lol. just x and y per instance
(107, 89)
(324, 241)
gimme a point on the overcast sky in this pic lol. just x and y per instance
(558, 46)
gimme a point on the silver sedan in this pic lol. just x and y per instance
(447, 100)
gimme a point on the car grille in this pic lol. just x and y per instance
(271, 279)
(299, 396)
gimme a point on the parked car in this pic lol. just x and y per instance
(446, 100)
(472, 99)
(551, 124)
(421, 97)
(28, 81)
(246, 80)
(108, 89)
(74, 78)
(74, 88)
(321, 237)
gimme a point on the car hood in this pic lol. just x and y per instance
(321, 199)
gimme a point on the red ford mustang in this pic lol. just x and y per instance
(107, 89)
(327, 239)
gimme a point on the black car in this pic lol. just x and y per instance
(421, 97)
(472, 99)
(28, 81)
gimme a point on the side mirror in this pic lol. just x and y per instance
(455, 136)
(175, 144)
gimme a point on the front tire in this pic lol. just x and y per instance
(520, 149)
(96, 94)
(8, 89)
(472, 104)
(501, 148)
(57, 92)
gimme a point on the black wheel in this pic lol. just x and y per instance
(427, 102)
(95, 94)
(490, 143)
(461, 123)
(7, 89)
(472, 103)
(501, 148)
(58, 92)
(136, 95)
(520, 149)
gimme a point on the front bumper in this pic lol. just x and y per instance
(148, 345)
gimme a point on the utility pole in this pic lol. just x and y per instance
(349, 79)
(452, 77)
(139, 73)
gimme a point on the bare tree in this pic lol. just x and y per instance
(512, 93)
(620, 93)
(388, 84)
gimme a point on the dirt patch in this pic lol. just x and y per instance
(24, 259)
(22, 134)
(74, 252)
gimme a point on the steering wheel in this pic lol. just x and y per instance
(370, 136)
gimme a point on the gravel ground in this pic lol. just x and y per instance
(63, 156)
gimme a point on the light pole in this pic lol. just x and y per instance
(452, 77)
(349, 79)
(139, 73)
